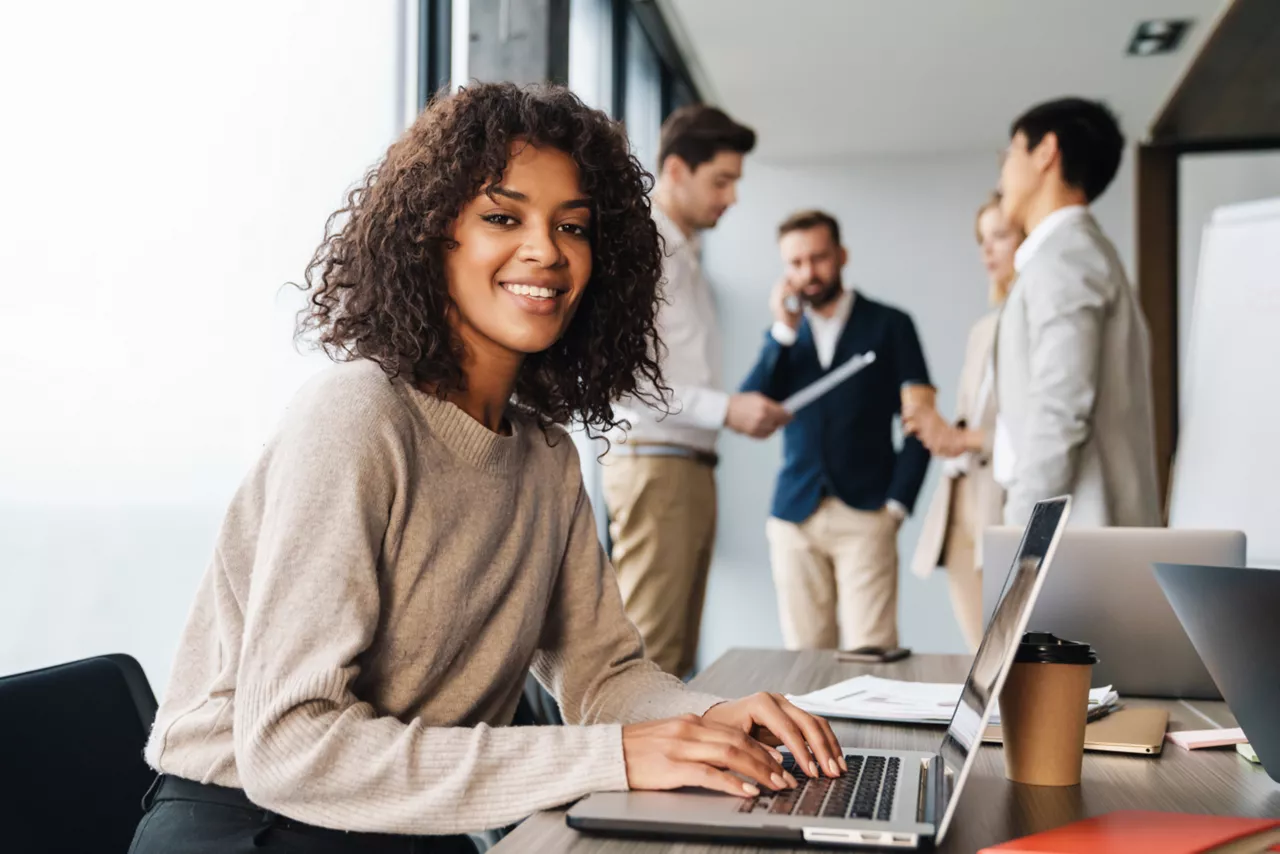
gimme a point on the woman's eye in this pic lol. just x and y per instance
(499, 219)
(574, 229)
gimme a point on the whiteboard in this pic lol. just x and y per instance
(1227, 469)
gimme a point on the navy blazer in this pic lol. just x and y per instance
(842, 444)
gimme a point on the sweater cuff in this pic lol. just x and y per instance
(608, 766)
(699, 703)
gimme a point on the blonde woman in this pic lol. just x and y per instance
(968, 499)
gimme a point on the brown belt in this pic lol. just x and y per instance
(629, 449)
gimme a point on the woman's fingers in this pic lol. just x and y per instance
(810, 724)
(701, 774)
(740, 757)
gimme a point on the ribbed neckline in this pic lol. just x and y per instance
(467, 437)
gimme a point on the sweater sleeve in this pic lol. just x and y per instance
(306, 745)
(591, 656)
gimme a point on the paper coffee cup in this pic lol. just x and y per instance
(918, 396)
(1044, 707)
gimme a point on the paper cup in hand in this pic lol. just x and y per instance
(1044, 706)
(917, 398)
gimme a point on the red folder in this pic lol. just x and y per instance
(1135, 832)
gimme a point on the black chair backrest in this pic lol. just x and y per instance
(71, 740)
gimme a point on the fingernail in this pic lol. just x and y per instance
(750, 789)
(777, 757)
(844, 766)
(833, 767)
(813, 769)
(778, 782)
(791, 781)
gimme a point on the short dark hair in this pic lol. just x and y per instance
(1089, 139)
(805, 220)
(696, 133)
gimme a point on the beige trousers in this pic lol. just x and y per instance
(836, 575)
(662, 519)
(964, 577)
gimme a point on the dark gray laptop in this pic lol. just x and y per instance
(1103, 592)
(1230, 613)
(889, 798)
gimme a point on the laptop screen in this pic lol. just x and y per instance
(999, 645)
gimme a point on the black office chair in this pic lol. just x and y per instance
(71, 740)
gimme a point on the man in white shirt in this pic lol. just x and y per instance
(1072, 359)
(659, 475)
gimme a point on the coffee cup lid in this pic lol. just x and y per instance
(1045, 648)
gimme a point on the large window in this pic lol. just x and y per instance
(168, 168)
(642, 110)
(591, 52)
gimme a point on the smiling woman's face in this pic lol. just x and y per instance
(523, 254)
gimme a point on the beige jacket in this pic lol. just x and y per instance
(981, 490)
(1073, 384)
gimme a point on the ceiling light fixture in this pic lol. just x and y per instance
(1153, 38)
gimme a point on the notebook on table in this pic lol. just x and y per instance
(1139, 731)
(1137, 832)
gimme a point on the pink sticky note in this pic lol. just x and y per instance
(1194, 739)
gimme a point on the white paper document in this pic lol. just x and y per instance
(870, 698)
(817, 389)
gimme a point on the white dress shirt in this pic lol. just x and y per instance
(1003, 456)
(691, 361)
(826, 330)
(826, 335)
(1041, 233)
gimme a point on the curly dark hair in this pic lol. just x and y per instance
(377, 281)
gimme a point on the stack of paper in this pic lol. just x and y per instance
(870, 698)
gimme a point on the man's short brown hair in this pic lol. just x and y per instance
(696, 133)
(805, 220)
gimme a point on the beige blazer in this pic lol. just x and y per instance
(982, 492)
(1073, 384)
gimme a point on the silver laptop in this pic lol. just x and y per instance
(889, 798)
(1103, 592)
(1230, 614)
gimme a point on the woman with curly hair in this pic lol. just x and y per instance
(416, 538)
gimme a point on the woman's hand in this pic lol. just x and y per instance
(948, 441)
(773, 719)
(693, 751)
(922, 420)
(940, 437)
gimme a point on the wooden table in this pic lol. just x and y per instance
(991, 809)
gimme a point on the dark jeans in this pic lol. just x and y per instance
(189, 818)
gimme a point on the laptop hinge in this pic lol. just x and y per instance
(931, 799)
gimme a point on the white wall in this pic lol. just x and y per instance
(167, 167)
(1205, 182)
(908, 224)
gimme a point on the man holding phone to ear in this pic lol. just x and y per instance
(844, 488)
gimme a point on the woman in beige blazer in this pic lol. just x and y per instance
(968, 499)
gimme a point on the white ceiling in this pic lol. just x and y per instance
(825, 78)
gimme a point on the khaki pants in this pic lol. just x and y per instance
(964, 577)
(836, 575)
(662, 519)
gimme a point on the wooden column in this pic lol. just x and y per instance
(1157, 215)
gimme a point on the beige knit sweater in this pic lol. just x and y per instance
(385, 577)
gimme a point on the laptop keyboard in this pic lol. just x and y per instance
(865, 791)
